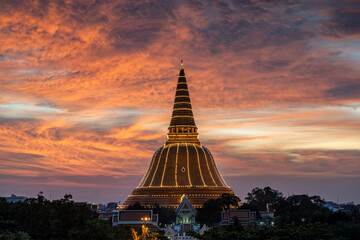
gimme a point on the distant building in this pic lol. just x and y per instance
(350, 204)
(80, 204)
(102, 207)
(92, 206)
(111, 206)
(244, 216)
(13, 198)
(135, 218)
(332, 206)
(106, 211)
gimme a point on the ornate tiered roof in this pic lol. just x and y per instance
(182, 127)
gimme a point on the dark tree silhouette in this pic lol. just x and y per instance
(227, 200)
(209, 214)
(39, 218)
(259, 197)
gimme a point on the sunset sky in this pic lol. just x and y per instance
(87, 88)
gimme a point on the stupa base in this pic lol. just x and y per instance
(171, 196)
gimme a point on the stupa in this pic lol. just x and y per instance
(182, 165)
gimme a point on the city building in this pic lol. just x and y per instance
(332, 206)
(339, 207)
(182, 165)
(106, 211)
(13, 198)
(92, 206)
(111, 206)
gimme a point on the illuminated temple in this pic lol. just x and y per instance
(182, 165)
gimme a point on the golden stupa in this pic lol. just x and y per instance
(182, 165)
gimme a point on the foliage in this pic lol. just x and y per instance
(350, 230)
(210, 213)
(259, 197)
(144, 234)
(354, 212)
(166, 215)
(95, 229)
(314, 231)
(227, 201)
(300, 208)
(14, 236)
(296, 217)
(39, 218)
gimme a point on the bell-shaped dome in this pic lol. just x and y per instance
(182, 165)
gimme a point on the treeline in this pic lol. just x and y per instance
(39, 218)
(296, 217)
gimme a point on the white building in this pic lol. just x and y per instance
(185, 221)
(15, 198)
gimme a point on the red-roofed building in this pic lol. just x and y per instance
(135, 218)
(244, 216)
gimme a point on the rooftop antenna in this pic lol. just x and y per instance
(181, 64)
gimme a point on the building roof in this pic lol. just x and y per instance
(134, 217)
(185, 205)
(183, 164)
(182, 114)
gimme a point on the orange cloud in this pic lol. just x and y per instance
(87, 88)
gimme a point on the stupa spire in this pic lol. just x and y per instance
(182, 125)
(182, 165)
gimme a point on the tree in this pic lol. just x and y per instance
(336, 217)
(289, 231)
(227, 200)
(95, 229)
(40, 218)
(14, 236)
(209, 214)
(349, 230)
(144, 234)
(259, 197)
(297, 209)
(166, 215)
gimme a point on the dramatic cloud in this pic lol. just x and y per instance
(86, 90)
(343, 21)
